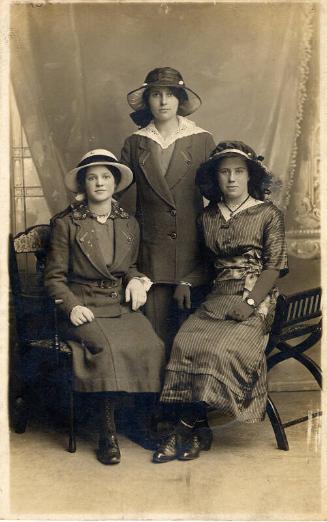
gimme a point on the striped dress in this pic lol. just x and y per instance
(218, 361)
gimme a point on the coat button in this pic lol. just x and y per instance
(173, 212)
(113, 295)
(173, 235)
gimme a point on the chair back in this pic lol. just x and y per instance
(303, 306)
(27, 258)
(297, 308)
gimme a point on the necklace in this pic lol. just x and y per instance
(232, 212)
(101, 218)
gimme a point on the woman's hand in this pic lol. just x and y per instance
(182, 295)
(240, 312)
(136, 293)
(80, 315)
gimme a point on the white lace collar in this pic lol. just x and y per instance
(185, 128)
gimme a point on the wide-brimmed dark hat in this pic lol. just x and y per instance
(99, 157)
(165, 77)
(206, 178)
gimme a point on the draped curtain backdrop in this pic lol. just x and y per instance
(72, 65)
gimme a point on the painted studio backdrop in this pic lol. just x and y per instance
(255, 67)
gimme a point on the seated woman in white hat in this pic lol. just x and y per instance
(91, 267)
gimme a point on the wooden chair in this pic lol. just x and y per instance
(36, 320)
(294, 331)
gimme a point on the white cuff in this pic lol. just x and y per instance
(185, 283)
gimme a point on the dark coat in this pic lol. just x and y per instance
(167, 207)
(74, 258)
(118, 350)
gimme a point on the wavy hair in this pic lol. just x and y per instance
(260, 178)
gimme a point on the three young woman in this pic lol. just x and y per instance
(217, 357)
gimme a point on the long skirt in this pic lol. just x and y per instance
(117, 354)
(220, 362)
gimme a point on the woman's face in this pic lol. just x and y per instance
(163, 104)
(233, 177)
(99, 184)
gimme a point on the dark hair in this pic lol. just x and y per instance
(80, 177)
(206, 179)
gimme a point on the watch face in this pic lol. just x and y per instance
(250, 301)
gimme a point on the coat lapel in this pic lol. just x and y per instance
(87, 241)
(150, 170)
(181, 161)
(123, 242)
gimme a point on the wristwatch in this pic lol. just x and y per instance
(251, 302)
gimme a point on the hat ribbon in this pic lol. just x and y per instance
(237, 151)
(96, 159)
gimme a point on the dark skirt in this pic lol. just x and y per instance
(131, 357)
(220, 362)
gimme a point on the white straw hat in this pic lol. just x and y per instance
(99, 157)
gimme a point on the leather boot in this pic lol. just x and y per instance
(204, 432)
(108, 451)
(190, 449)
(168, 450)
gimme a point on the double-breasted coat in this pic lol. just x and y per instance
(166, 208)
(118, 350)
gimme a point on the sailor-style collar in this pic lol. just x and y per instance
(185, 128)
(82, 211)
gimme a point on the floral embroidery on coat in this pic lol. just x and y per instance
(82, 211)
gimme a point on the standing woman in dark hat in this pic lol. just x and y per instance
(164, 155)
(218, 355)
(91, 267)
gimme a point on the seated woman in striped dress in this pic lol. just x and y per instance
(218, 356)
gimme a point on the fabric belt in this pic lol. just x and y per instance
(100, 283)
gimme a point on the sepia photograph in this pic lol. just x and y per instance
(161, 302)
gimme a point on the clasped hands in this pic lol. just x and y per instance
(135, 293)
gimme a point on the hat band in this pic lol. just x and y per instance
(97, 159)
(164, 81)
(235, 151)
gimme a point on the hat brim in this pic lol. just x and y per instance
(135, 98)
(258, 165)
(125, 172)
(205, 178)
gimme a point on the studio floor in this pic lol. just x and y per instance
(243, 477)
